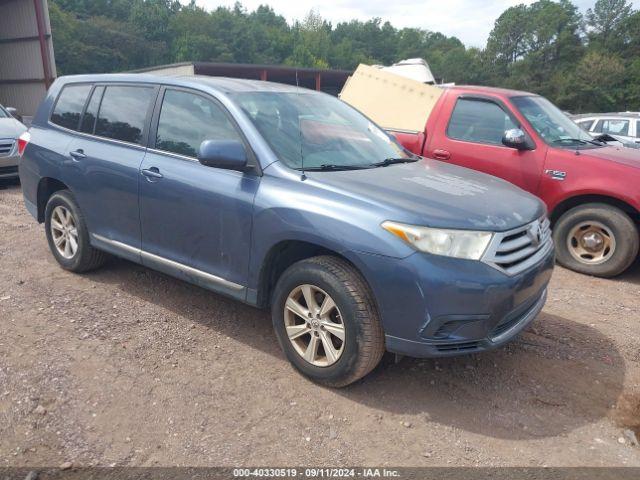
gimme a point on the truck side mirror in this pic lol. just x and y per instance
(228, 154)
(14, 113)
(515, 138)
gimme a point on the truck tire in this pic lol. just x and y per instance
(68, 236)
(596, 239)
(326, 321)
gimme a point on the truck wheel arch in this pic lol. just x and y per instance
(571, 202)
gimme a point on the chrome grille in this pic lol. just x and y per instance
(516, 250)
(6, 146)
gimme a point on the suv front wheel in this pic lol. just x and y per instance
(596, 239)
(326, 321)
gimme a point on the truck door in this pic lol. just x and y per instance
(469, 133)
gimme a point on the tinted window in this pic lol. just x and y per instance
(638, 128)
(89, 118)
(613, 127)
(479, 121)
(123, 112)
(186, 120)
(69, 106)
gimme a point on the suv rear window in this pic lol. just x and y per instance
(123, 112)
(69, 106)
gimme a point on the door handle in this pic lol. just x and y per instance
(78, 154)
(152, 173)
(441, 154)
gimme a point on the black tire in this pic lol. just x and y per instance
(364, 338)
(86, 257)
(620, 225)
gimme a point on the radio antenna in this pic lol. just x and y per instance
(302, 176)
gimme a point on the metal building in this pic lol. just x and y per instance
(27, 65)
(330, 81)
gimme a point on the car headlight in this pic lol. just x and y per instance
(450, 243)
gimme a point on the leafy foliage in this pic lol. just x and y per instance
(585, 62)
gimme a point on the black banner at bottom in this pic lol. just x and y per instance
(307, 473)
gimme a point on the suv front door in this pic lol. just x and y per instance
(473, 138)
(196, 220)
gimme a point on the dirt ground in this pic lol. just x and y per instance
(125, 366)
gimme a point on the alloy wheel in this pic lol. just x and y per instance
(314, 325)
(64, 232)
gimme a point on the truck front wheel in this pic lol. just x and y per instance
(596, 239)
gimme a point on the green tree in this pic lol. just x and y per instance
(605, 20)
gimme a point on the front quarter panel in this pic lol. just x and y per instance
(569, 174)
(288, 208)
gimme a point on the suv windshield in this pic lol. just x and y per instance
(322, 130)
(552, 125)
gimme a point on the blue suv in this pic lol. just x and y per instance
(288, 199)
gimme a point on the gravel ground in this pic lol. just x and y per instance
(128, 367)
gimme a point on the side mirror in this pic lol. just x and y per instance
(515, 138)
(228, 154)
(14, 113)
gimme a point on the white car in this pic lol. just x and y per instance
(10, 129)
(624, 126)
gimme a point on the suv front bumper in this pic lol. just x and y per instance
(438, 306)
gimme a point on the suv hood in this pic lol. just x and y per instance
(11, 128)
(437, 194)
(622, 155)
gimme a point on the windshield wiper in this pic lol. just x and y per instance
(575, 140)
(328, 167)
(392, 161)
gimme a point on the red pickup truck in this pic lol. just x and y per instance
(592, 191)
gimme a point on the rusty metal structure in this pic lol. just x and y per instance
(27, 63)
(329, 81)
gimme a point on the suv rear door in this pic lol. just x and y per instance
(470, 134)
(196, 220)
(104, 161)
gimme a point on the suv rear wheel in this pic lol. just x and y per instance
(68, 236)
(326, 322)
(596, 239)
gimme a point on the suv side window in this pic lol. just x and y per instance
(479, 121)
(69, 106)
(89, 119)
(123, 112)
(637, 128)
(187, 119)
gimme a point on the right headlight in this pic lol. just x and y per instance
(467, 244)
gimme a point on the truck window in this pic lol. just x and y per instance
(479, 121)
(69, 106)
(123, 112)
(187, 119)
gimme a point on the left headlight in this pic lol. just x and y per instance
(450, 243)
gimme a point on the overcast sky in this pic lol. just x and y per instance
(469, 20)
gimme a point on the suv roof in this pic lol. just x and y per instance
(223, 84)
